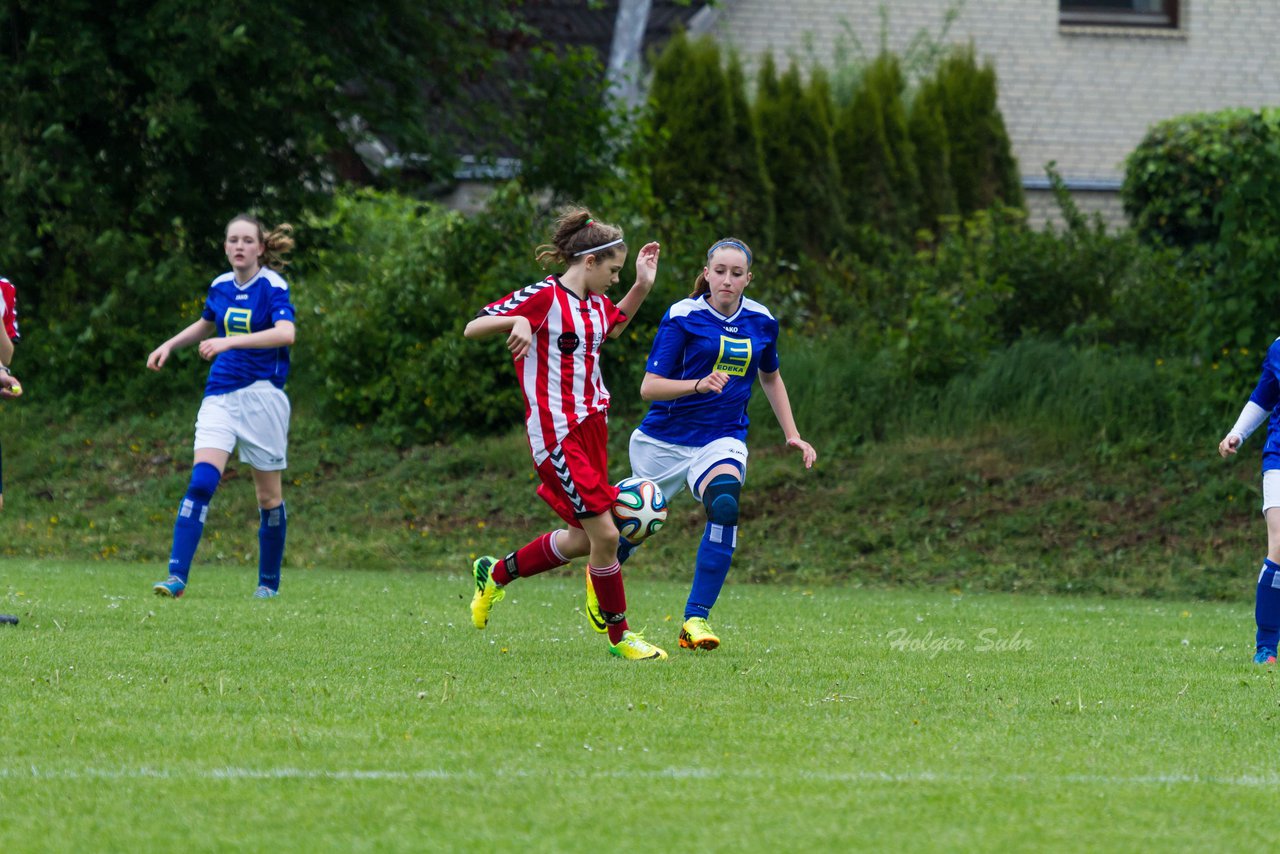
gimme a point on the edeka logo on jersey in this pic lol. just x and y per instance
(567, 342)
(238, 321)
(735, 356)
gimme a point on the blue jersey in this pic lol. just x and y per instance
(692, 341)
(240, 310)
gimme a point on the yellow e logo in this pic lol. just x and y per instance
(238, 321)
(735, 356)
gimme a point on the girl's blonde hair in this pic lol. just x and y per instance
(275, 242)
(700, 285)
(579, 234)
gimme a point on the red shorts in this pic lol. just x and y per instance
(575, 478)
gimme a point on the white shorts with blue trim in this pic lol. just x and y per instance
(1270, 489)
(255, 418)
(673, 467)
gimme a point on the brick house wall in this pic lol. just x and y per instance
(1082, 96)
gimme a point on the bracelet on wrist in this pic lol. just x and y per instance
(697, 383)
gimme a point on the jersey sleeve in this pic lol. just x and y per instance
(532, 303)
(9, 308)
(1267, 393)
(281, 305)
(613, 315)
(769, 356)
(667, 352)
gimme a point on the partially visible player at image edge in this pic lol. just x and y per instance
(554, 330)
(1264, 402)
(250, 317)
(9, 385)
(707, 353)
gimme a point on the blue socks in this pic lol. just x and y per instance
(715, 552)
(1267, 609)
(271, 536)
(189, 525)
(626, 549)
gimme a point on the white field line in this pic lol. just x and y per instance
(1247, 781)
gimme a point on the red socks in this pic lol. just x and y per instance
(607, 583)
(538, 556)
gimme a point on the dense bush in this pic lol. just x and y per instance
(796, 138)
(382, 308)
(983, 169)
(876, 153)
(1176, 179)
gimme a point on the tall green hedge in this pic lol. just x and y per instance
(983, 169)
(876, 153)
(798, 153)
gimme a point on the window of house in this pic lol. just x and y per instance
(1119, 13)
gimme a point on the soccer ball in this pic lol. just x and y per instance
(639, 510)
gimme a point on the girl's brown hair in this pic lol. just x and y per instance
(577, 234)
(275, 243)
(700, 285)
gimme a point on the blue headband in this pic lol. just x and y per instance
(735, 244)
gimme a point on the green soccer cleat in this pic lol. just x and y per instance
(487, 592)
(696, 634)
(634, 647)
(594, 616)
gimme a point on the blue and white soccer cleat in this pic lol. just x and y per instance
(172, 587)
(265, 592)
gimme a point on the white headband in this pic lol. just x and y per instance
(598, 248)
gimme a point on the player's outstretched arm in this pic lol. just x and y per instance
(776, 390)
(657, 387)
(646, 274)
(519, 331)
(195, 332)
(282, 334)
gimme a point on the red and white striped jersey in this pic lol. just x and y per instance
(560, 375)
(9, 308)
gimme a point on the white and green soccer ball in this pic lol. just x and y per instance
(640, 509)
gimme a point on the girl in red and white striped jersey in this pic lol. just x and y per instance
(554, 330)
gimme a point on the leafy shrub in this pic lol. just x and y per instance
(801, 163)
(983, 169)
(383, 306)
(876, 153)
(1175, 180)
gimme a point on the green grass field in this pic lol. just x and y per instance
(360, 711)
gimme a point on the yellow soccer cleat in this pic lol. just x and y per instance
(594, 616)
(696, 634)
(487, 592)
(634, 647)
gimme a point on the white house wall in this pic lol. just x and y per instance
(1081, 96)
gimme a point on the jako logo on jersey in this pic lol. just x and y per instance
(567, 342)
(735, 356)
(238, 321)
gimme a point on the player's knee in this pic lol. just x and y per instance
(204, 480)
(721, 499)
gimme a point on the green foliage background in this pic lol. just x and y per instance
(882, 202)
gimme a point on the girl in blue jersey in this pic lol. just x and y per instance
(1264, 403)
(245, 330)
(706, 356)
